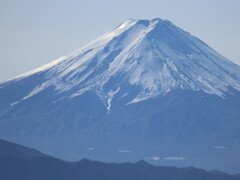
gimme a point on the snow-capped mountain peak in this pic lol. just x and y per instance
(145, 89)
(154, 56)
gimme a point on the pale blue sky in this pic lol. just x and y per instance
(34, 32)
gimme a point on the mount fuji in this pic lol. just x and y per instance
(145, 90)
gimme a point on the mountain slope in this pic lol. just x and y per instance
(146, 89)
(15, 166)
(155, 55)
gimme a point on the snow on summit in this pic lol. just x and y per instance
(153, 56)
(145, 89)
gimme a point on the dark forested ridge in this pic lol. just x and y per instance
(21, 163)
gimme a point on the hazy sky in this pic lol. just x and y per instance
(35, 32)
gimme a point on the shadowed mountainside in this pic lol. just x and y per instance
(20, 163)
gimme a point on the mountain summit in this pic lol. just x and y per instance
(147, 89)
(153, 55)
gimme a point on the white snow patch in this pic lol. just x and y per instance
(155, 158)
(124, 151)
(42, 68)
(81, 91)
(14, 103)
(220, 147)
(138, 99)
(110, 96)
(124, 95)
(54, 102)
(36, 90)
(174, 158)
